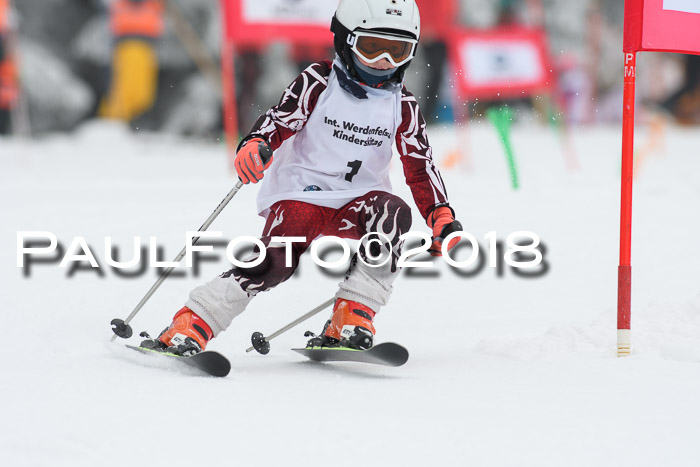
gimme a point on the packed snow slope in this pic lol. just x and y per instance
(504, 370)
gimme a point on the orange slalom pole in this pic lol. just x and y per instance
(624, 273)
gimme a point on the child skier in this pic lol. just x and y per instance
(332, 133)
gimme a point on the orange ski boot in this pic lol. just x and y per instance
(350, 326)
(187, 335)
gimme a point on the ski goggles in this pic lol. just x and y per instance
(374, 47)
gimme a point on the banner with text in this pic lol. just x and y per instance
(262, 21)
(662, 25)
(498, 64)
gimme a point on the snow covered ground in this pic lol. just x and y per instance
(503, 371)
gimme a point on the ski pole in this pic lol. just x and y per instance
(121, 327)
(262, 344)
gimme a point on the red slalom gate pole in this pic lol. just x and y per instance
(624, 272)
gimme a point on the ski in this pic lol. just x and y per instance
(209, 362)
(386, 353)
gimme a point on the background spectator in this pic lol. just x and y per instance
(135, 25)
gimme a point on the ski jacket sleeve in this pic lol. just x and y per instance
(412, 143)
(298, 101)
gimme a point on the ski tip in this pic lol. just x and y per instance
(223, 369)
(210, 362)
(399, 354)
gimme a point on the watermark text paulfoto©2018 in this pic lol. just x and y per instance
(523, 250)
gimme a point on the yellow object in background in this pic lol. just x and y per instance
(134, 80)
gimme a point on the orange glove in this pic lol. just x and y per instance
(252, 159)
(442, 221)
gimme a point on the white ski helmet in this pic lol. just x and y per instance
(390, 19)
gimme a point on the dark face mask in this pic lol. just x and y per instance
(371, 76)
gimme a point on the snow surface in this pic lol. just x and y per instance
(503, 371)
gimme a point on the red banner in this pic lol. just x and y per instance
(258, 22)
(662, 25)
(498, 64)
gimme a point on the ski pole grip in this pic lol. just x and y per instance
(265, 152)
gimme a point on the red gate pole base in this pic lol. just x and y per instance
(624, 295)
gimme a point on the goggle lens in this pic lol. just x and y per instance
(372, 47)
